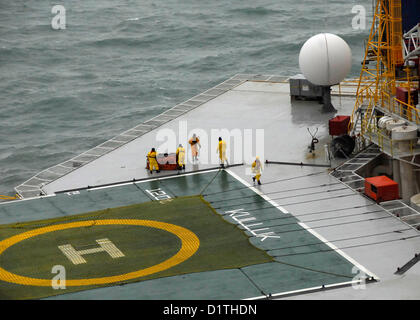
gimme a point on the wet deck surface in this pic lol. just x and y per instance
(304, 218)
(246, 110)
(301, 259)
(364, 233)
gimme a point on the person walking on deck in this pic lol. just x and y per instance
(153, 164)
(180, 157)
(221, 149)
(195, 144)
(256, 169)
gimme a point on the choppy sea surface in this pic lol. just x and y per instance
(121, 62)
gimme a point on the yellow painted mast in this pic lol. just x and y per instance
(377, 82)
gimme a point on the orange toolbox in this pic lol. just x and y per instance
(165, 161)
(381, 188)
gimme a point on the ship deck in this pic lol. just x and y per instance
(365, 239)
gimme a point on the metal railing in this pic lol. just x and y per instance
(385, 142)
(400, 108)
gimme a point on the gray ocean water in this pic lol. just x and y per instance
(121, 62)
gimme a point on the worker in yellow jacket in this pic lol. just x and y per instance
(221, 149)
(180, 157)
(256, 169)
(153, 164)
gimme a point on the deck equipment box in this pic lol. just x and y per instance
(165, 161)
(301, 88)
(339, 125)
(381, 188)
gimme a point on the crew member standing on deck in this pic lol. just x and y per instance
(195, 143)
(257, 168)
(151, 156)
(180, 157)
(221, 149)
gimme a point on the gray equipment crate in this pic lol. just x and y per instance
(300, 88)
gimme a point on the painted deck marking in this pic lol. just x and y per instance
(189, 245)
(160, 195)
(261, 229)
(105, 245)
(248, 219)
(255, 224)
(340, 252)
(241, 215)
(262, 195)
(317, 235)
(235, 216)
(347, 257)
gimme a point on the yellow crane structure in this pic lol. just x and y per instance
(387, 64)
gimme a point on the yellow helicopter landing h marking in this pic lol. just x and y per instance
(190, 244)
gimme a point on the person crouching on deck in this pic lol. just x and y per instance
(180, 157)
(151, 156)
(256, 168)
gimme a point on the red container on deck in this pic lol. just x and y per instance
(165, 161)
(381, 188)
(339, 125)
(402, 95)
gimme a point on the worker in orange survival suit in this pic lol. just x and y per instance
(256, 168)
(180, 157)
(151, 156)
(195, 143)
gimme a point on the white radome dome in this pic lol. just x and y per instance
(325, 59)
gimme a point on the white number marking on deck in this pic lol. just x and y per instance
(159, 195)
